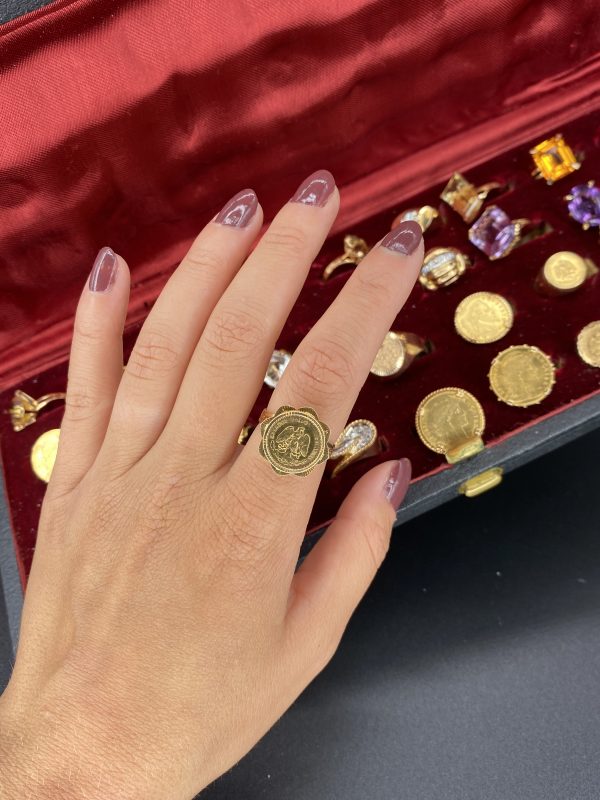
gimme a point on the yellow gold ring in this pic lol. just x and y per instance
(355, 249)
(465, 198)
(294, 440)
(358, 440)
(397, 352)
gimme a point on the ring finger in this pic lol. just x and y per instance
(331, 364)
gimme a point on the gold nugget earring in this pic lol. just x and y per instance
(355, 249)
(24, 409)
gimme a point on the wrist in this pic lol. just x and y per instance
(51, 760)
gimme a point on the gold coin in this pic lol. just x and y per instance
(588, 344)
(483, 317)
(565, 271)
(43, 454)
(390, 356)
(522, 375)
(294, 440)
(449, 418)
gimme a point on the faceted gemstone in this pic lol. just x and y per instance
(493, 233)
(279, 361)
(584, 204)
(554, 158)
(357, 435)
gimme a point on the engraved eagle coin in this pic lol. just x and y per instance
(294, 440)
(448, 418)
(483, 317)
(565, 271)
(522, 375)
(43, 454)
(588, 344)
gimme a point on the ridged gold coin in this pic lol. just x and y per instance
(483, 317)
(294, 440)
(448, 418)
(588, 344)
(522, 375)
(43, 454)
(565, 271)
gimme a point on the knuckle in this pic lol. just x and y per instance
(202, 260)
(369, 288)
(89, 332)
(323, 371)
(154, 355)
(80, 403)
(243, 533)
(233, 332)
(285, 240)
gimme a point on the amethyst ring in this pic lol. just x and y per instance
(495, 234)
(583, 202)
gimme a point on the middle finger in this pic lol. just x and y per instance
(331, 364)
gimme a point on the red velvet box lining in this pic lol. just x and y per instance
(142, 146)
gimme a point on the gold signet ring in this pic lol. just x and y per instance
(293, 440)
(355, 249)
(24, 409)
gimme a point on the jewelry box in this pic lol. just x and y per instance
(129, 124)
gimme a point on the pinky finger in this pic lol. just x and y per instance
(337, 572)
(95, 369)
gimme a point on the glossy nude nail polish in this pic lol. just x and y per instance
(316, 189)
(397, 482)
(404, 238)
(104, 271)
(238, 211)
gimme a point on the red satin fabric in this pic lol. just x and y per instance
(130, 123)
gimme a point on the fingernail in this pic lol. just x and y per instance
(238, 211)
(316, 189)
(397, 482)
(104, 271)
(404, 238)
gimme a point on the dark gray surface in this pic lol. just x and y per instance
(471, 671)
(10, 9)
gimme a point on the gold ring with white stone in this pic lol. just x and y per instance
(397, 352)
(358, 440)
(425, 216)
(442, 266)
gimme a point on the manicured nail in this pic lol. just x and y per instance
(404, 238)
(239, 210)
(104, 271)
(397, 482)
(316, 189)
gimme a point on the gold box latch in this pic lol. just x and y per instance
(481, 483)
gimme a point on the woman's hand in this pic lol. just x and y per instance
(165, 628)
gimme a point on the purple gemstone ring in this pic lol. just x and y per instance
(583, 202)
(495, 234)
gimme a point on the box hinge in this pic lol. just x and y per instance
(481, 483)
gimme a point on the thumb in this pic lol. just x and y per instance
(337, 572)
